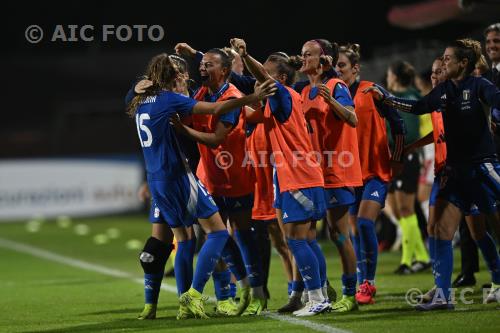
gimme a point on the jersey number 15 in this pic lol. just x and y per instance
(139, 120)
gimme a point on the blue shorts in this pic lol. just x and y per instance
(375, 189)
(234, 204)
(180, 202)
(474, 188)
(341, 196)
(306, 204)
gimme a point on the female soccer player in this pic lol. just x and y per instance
(376, 161)
(178, 196)
(403, 188)
(263, 214)
(471, 177)
(222, 168)
(185, 249)
(298, 179)
(329, 111)
(437, 136)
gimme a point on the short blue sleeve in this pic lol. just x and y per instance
(342, 95)
(177, 103)
(231, 117)
(281, 103)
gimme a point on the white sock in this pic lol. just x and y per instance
(316, 295)
(324, 292)
(305, 296)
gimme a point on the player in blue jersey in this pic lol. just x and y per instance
(471, 177)
(178, 196)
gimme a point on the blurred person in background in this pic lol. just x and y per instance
(424, 85)
(403, 188)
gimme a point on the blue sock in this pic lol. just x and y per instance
(248, 245)
(222, 286)
(321, 260)
(232, 257)
(349, 284)
(289, 287)
(360, 259)
(490, 254)
(306, 262)
(232, 291)
(298, 286)
(152, 284)
(369, 245)
(444, 266)
(183, 265)
(207, 258)
(432, 251)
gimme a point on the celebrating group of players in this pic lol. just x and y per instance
(282, 155)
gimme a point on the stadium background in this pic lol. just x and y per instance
(63, 103)
(65, 99)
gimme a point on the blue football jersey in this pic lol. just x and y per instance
(162, 154)
(466, 118)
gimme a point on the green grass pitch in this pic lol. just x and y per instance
(67, 289)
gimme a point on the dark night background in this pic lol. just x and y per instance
(66, 98)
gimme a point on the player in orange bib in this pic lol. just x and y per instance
(438, 138)
(376, 161)
(298, 179)
(222, 168)
(329, 111)
(263, 213)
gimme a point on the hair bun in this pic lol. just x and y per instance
(295, 62)
(355, 47)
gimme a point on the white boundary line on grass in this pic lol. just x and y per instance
(51, 256)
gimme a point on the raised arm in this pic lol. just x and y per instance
(253, 66)
(139, 87)
(342, 110)
(244, 83)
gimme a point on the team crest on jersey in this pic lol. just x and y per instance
(466, 95)
(157, 212)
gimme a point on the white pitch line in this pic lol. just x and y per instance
(309, 324)
(51, 256)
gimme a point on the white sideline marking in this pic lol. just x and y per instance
(309, 324)
(51, 256)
